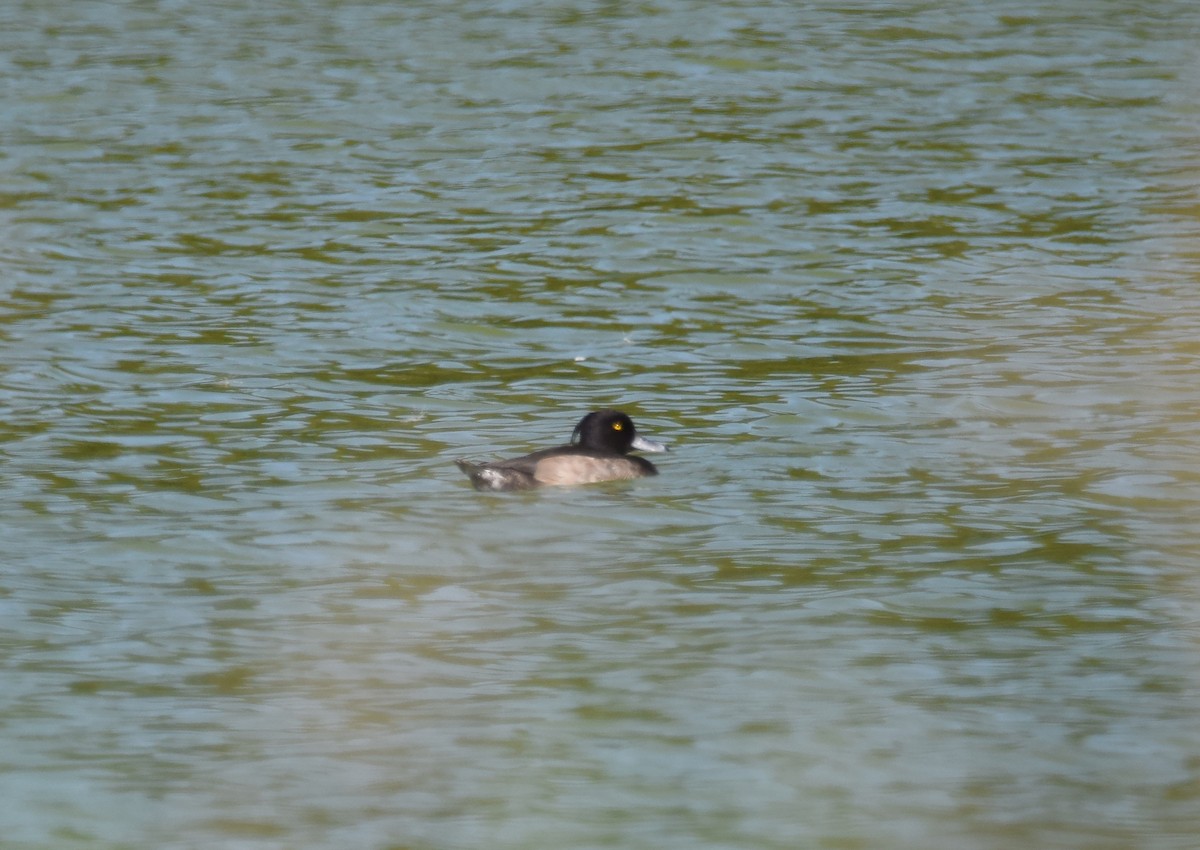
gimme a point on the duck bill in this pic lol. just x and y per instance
(641, 444)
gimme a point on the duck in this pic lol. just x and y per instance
(598, 451)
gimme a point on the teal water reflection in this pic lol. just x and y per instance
(908, 288)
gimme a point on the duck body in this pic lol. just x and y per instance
(598, 451)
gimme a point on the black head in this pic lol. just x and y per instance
(612, 431)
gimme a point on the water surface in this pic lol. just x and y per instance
(909, 288)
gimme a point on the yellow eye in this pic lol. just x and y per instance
(617, 426)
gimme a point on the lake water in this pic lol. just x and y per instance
(909, 287)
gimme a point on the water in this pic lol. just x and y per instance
(908, 287)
